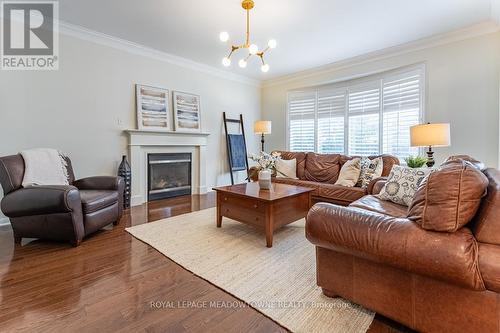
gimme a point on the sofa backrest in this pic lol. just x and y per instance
(12, 172)
(486, 223)
(326, 167)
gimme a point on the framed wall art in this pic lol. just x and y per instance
(187, 116)
(153, 108)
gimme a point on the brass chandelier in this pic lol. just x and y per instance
(253, 49)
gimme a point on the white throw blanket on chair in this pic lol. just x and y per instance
(44, 167)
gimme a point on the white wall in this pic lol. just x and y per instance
(462, 88)
(83, 108)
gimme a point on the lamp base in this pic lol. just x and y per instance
(262, 141)
(430, 158)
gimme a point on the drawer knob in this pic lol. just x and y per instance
(225, 199)
(255, 206)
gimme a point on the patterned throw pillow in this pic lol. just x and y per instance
(370, 169)
(402, 184)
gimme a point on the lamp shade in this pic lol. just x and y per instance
(436, 135)
(262, 127)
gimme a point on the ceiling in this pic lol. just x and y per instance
(310, 33)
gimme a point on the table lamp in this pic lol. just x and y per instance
(262, 127)
(430, 135)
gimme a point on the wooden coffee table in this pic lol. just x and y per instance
(264, 209)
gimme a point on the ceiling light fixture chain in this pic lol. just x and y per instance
(253, 49)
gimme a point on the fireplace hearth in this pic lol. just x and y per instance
(169, 175)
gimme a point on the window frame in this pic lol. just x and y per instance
(348, 84)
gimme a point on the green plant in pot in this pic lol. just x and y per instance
(415, 161)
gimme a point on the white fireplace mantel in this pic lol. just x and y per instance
(143, 142)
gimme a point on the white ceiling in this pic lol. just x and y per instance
(310, 33)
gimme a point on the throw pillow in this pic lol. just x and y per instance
(448, 197)
(322, 168)
(402, 184)
(286, 168)
(478, 164)
(349, 174)
(370, 169)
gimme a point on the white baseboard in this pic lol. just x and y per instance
(4, 221)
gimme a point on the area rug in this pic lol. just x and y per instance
(279, 282)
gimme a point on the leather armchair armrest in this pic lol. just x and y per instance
(104, 183)
(40, 200)
(376, 185)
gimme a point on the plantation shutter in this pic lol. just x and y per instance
(301, 116)
(401, 110)
(363, 118)
(331, 116)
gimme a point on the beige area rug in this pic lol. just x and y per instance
(279, 282)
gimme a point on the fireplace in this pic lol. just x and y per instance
(169, 175)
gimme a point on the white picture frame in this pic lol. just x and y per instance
(153, 108)
(187, 112)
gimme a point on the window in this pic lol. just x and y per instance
(363, 117)
(331, 114)
(301, 116)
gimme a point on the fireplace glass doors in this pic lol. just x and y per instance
(169, 175)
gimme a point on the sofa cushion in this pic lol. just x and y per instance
(402, 184)
(449, 197)
(370, 169)
(286, 168)
(349, 173)
(389, 162)
(397, 242)
(341, 193)
(323, 168)
(301, 161)
(299, 182)
(377, 205)
(478, 164)
(93, 200)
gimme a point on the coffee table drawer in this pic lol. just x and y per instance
(249, 203)
(243, 214)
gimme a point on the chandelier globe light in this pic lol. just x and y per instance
(252, 49)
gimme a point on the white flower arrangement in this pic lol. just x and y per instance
(266, 161)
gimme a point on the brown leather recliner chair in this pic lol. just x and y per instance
(61, 213)
(375, 255)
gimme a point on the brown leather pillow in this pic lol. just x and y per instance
(322, 168)
(478, 164)
(448, 197)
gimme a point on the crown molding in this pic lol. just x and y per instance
(421, 44)
(138, 49)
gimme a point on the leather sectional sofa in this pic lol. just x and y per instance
(321, 171)
(374, 254)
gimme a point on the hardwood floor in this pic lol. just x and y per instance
(113, 282)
